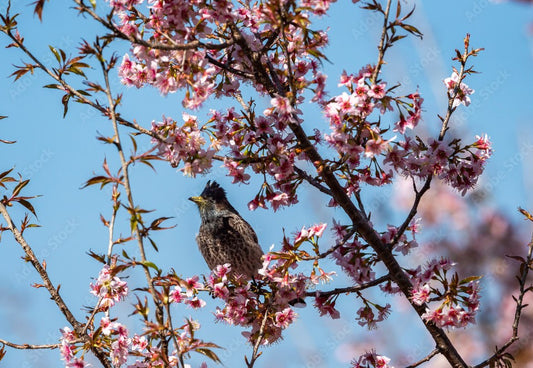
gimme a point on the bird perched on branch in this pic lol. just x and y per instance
(224, 236)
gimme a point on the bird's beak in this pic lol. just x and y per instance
(197, 199)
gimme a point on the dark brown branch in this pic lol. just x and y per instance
(314, 182)
(359, 221)
(349, 289)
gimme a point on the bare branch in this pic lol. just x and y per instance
(522, 280)
(425, 359)
(29, 346)
(349, 289)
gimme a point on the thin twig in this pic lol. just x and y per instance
(444, 127)
(425, 359)
(522, 279)
(333, 248)
(29, 346)
(54, 293)
(127, 188)
(77, 94)
(382, 46)
(255, 351)
(349, 289)
(314, 182)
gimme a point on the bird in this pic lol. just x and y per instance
(224, 236)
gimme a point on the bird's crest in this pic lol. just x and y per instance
(213, 191)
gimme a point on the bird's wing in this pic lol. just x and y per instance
(239, 226)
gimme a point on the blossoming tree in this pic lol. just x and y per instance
(244, 51)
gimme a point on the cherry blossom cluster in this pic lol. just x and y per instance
(352, 135)
(266, 304)
(195, 52)
(263, 307)
(68, 349)
(176, 24)
(183, 143)
(371, 360)
(459, 299)
(136, 351)
(109, 288)
(460, 166)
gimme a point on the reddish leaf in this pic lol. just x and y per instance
(39, 5)
(28, 205)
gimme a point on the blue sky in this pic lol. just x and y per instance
(59, 155)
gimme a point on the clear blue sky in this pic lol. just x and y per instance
(59, 155)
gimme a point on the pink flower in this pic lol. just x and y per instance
(378, 91)
(109, 288)
(191, 284)
(376, 146)
(483, 143)
(280, 199)
(176, 295)
(317, 230)
(138, 343)
(107, 326)
(326, 306)
(284, 318)
(371, 359)
(220, 290)
(77, 363)
(236, 170)
(282, 105)
(195, 303)
(462, 93)
(421, 294)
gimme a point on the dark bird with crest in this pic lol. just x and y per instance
(224, 236)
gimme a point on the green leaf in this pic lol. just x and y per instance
(151, 265)
(469, 279)
(208, 353)
(56, 54)
(153, 244)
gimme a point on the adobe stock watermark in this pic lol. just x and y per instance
(503, 171)
(43, 252)
(317, 359)
(31, 169)
(482, 95)
(477, 8)
(20, 86)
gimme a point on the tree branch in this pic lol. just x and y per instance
(29, 346)
(425, 359)
(522, 279)
(349, 289)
